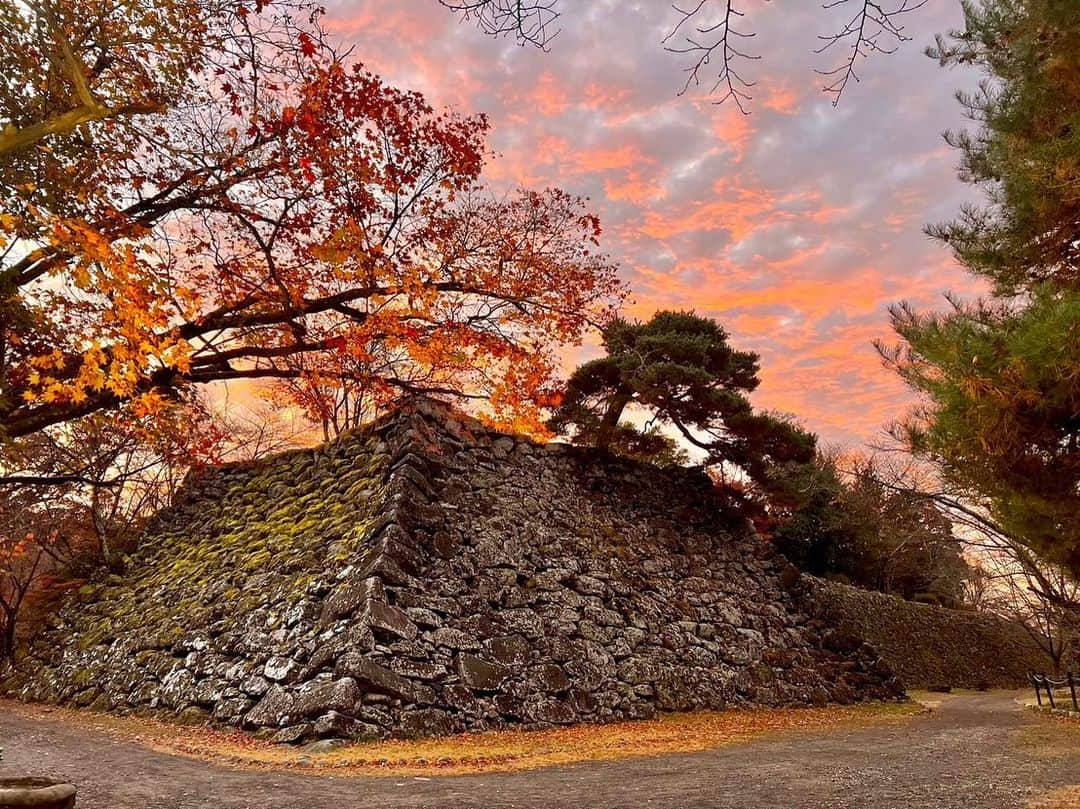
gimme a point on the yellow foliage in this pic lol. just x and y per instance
(502, 751)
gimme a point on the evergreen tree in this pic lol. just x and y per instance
(1000, 377)
(1025, 156)
(818, 532)
(679, 367)
(857, 527)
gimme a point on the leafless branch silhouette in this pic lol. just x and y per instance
(706, 32)
(703, 38)
(529, 22)
(872, 29)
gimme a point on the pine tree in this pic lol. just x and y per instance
(679, 367)
(1000, 377)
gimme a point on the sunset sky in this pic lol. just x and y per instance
(795, 226)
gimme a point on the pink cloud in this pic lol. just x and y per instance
(796, 226)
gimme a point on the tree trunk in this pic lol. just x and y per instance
(1056, 658)
(7, 638)
(616, 404)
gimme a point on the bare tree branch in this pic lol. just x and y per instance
(702, 40)
(55, 480)
(527, 21)
(872, 29)
(705, 31)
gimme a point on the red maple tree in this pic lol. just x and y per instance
(267, 210)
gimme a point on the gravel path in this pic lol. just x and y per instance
(972, 752)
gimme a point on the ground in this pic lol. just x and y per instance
(973, 751)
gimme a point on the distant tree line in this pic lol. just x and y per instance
(677, 372)
(850, 526)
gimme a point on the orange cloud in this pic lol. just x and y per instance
(780, 99)
(602, 98)
(635, 188)
(796, 226)
(548, 96)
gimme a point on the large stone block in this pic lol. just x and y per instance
(348, 597)
(372, 677)
(480, 674)
(275, 709)
(383, 617)
(426, 722)
(315, 698)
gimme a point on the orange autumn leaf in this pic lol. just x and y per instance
(283, 216)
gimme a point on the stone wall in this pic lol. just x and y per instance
(930, 646)
(428, 576)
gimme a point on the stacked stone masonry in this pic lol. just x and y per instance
(929, 646)
(426, 576)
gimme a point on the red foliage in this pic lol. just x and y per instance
(284, 211)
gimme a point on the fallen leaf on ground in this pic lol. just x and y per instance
(499, 751)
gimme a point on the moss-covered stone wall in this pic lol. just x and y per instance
(427, 576)
(929, 646)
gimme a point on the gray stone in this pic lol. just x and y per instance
(231, 709)
(560, 649)
(178, 689)
(509, 650)
(523, 621)
(591, 667)
(480, 674)
(418, 669)
(454, 639)
(254, 685)
(426, 722)
(274, 710)
(348, 597)
(329, 695)
(324, 745)
(590, 585)
(372, 677)
(292, 734)
(208, 692)
(192, 715)
(383, 617)
(374, 715)
(337, 725)
(549, 711)
(548, 679)
(461, 699)
(582, 701)
(280, 669)
(424, 617)
(637, 670)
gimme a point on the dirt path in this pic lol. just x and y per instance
(973, 752)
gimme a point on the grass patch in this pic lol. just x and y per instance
(503, 751)
(1064, 798)
(1063, 708)
(1050, 737)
